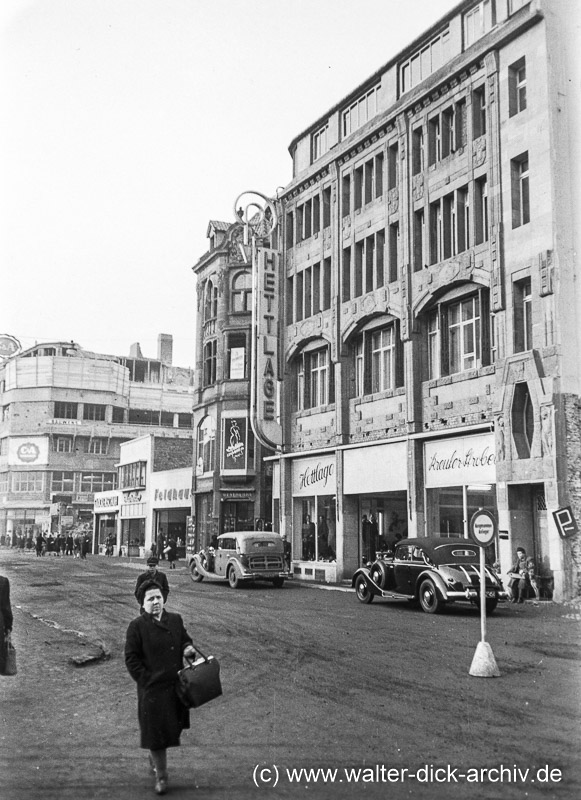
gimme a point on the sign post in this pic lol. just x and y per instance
(483, 531)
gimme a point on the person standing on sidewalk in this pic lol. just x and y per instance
(6, 620)
(155, 645)
(171, 551)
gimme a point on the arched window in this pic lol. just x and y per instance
(377, 358)
(242, 292)
(210, 351)
(314, 382)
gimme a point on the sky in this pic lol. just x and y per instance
(127, 125)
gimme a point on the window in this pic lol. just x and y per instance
(118, 415)
(63, 444)
(369, 264)
(346, 195)
(523, 316)
(378, 360)
(423, 62)
(94, 412)
(446, 132)
(27, 482)
(92, 482)
(97, 446)
(313, 379)
(242, 292)
(184, 420)
(392, 167)
(236, 351)
(478, 21)
(522, 420)
(206, 445)
(210, 351)
(133, 476)
(419, 239)
(449, 225)
(458, 335)
(62, 482)
(290, 229)
(210, 301)
(65, 410)
(394, 252)
(346, 272)
(326, 284)
(517, 87)
(514, 5)
(320, 142)
(360, 111)
(326, 207)
(479, 112)
(519, 169)
(417, 150)
(368, 182)
(481, 210)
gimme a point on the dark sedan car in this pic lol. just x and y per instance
(431, 571)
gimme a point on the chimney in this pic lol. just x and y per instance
(135, 351)
(165, 348)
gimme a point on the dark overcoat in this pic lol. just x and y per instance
(6, 619)
(153, 656)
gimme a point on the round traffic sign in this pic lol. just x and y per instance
(483, 527)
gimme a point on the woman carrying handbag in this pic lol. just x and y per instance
(155, 646)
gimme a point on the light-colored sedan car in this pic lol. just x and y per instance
(242, 557)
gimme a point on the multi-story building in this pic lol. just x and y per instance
(64, 414)
(431, 305)
(230, 492)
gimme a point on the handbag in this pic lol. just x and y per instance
(199, 682)
(10, 660)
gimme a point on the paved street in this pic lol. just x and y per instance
(312, 679)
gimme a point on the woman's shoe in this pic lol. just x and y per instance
(161, 785)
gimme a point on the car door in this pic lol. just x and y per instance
(402, 568)
(225, 549)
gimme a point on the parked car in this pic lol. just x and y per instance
(431, 571)
(241, 557)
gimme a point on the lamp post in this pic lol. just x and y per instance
(259, 218)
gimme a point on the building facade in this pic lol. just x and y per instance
(232, 483)
(153, 499)
(430, 305)
(64, 414)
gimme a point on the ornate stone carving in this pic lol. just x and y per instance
(546, 430)
(393, 201)
(417, 187)
(479, 151)
(499, 434)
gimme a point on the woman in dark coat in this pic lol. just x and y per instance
(154, 648)
(6, 620)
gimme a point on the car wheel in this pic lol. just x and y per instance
(362, 590)
(233, 578)
(428, 597)
(196, 576)
(378, 574)
(278, 583)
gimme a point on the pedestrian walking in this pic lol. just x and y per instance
(160, 545)
(155, 645)
(39, 545)
(152, 574)
(519, 577)
(171, 551)
(6, 620)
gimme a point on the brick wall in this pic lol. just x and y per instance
(172, 454)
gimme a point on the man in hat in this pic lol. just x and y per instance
(153, 574)
(518, 577)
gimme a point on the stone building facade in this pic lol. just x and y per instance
(430, 304)
(230, 491)
(65, 412)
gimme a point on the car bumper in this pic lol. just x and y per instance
(473, 594)
(267, 575)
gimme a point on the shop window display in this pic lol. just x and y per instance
(318, 528)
